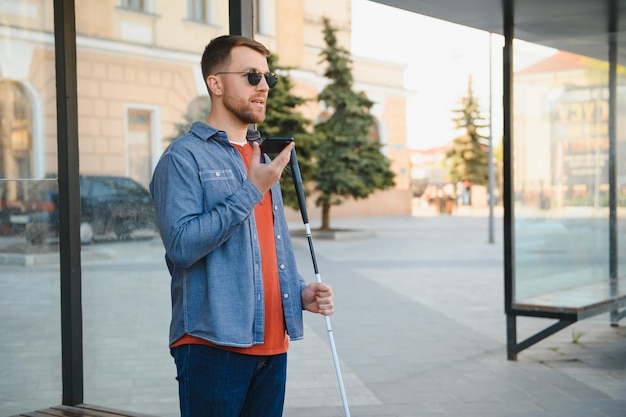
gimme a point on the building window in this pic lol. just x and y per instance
(15, 131)
(261, 10)
(202, 11)
(136, 5)
(374, 133)
(139, 139)
(16, 123)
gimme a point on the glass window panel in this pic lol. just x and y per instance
(30, 349)
(140, 138)
(203, 11)
(197, 9)
(128, 103)
(263, 17)
(138, 5)
(561, 181)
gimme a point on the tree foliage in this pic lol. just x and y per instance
(337, 158)
(468, 157)
(349, 162)
(282, 119)
(201, 113)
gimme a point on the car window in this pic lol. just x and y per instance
(131, 189)
(101, 189)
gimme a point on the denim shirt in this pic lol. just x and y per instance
(205, 213)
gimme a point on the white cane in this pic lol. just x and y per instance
(297, 182)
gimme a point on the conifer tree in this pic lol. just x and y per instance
(468, 157)
(189, 118)
(282, 119)
(349, 162)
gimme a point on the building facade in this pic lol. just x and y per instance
(139, 75)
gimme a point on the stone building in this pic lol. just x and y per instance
(139, 74)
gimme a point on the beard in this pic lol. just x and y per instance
(242, 109)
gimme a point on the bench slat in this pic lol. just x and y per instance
(40, 413)
(112, 411)
(81, 410)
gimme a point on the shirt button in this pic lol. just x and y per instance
(285, 295)
(278, 237)
(275, 207)
(217, 174)
(282, 266)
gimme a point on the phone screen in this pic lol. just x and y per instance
(275, 144)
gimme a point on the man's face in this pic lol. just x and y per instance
(245, 101)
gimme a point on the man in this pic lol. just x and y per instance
(237, 298)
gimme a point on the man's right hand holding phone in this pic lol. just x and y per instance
(263, 176)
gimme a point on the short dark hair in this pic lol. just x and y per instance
(217, 52)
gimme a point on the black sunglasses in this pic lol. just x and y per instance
(254, 76)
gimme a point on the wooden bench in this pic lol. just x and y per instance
(567, 306)
(577, 302)
(81, 410)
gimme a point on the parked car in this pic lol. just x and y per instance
(108, 205)
(117, 204)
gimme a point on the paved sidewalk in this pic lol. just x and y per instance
(419, 328)
(420, 331)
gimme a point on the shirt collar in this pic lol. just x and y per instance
(206, 132)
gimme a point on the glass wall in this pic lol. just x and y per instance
(138, 79)
(139, 86)
(561, 175)
(30, 350)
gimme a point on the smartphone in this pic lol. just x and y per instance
(275, 144)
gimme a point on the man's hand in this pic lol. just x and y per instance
(318, 298)
(263, 176)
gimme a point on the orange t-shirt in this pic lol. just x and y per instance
(276, 340)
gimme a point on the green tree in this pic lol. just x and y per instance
(282, 119)
(468, 157)
(349, 162)
(202, 109)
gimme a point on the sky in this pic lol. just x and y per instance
(440, 57)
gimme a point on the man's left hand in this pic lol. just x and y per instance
(318, 298)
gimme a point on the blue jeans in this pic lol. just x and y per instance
(213, 382)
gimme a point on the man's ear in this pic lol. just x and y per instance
(215, 85)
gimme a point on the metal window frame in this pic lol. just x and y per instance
(69, 202)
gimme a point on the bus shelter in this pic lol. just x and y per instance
(564, 179)
(564, 137)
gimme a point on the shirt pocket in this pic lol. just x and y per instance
(218, 184)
